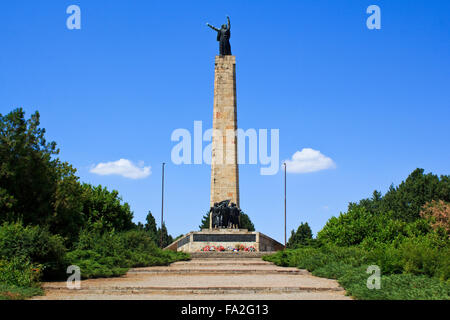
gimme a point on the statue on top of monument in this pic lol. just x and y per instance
(223, 36)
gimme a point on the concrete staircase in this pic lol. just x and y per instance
(205, 277)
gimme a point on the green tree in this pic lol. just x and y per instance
(179, 237)
(406, 200)
(370, 204)
(35, 186)
(150, 226)
(205, 222)
(166, 237)
(104, 211)
(7, 203)
(27, 175)
(246, 223)
(303, 236)
(69, 217)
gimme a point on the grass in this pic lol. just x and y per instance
(19, 279)
(11, 292)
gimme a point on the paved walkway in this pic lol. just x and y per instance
(205, 279)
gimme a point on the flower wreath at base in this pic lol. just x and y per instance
(237, 248)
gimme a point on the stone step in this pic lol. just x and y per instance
(191, 290)
(219, 271)
(222, 263)
(204, 279)
(220, 281)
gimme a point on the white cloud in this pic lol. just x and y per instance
(309, 160)
(122, 167)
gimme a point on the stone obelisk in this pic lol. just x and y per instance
(224, 164)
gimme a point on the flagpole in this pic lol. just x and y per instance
(162, 205)
(285, 205)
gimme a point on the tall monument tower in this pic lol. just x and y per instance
(224, 164)
(227, 232)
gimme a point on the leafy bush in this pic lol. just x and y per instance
(359, 225)
(104, 209)
(19, 272)
(438, 214)
(94, 265)
(420, 258)
(394, 287)
(19, 278)
(35, 244)
(387, 257)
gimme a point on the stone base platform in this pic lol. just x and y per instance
(195, 241)
(225, 255)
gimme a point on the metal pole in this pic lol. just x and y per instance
(285, 205)
(162, 205)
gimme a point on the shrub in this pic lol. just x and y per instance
(19, 272)
(358, 226)
(94, 265)
(349, 264)
(313, 259)
(421, 256)
(438, 214)
(35, 244)
(104, 209)
(112, 254)
(394, 287)
(387, 257)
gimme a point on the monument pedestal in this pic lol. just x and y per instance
(229, 239)
(224, 161)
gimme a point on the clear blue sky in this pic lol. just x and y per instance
(377, 102)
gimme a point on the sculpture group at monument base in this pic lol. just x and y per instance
(225, 240)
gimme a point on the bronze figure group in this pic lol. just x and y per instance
(225, 215)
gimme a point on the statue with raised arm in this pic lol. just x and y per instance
(223, 36)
